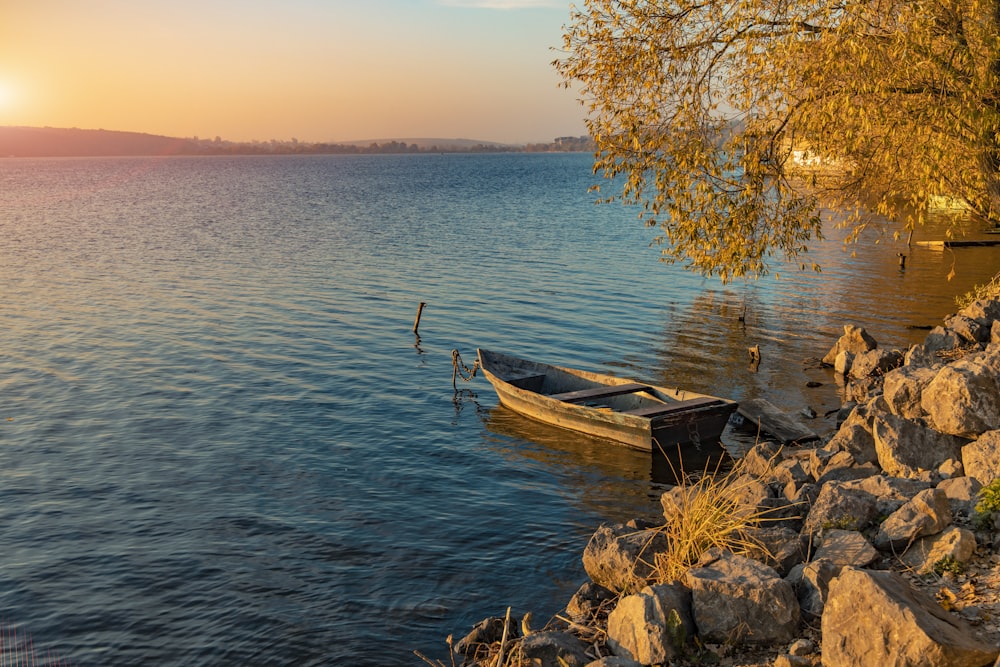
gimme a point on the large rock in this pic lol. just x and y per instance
(874, 363)
(554, 649)
(840, 506)
(812, 582)
(983, 311)
(981, 458)
(876, 618)
(906, 447)
(621, 557)
(890, 493)
(903, 387)
(963, 399)
(941, 340)
(856, 439)
(854, 340)
(921, 356)
(738, 600)
(957, 544)
(970, 331)
(652, 626)
(962, 493)
(846, 547)
(484, 634)
(928, 513)
(780, 547)
(590, 602)
(762, 457)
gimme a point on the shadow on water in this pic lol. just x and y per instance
(552, 446)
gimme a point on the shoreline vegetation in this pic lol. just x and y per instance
(75, 142)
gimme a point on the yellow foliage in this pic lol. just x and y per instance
(708, 113)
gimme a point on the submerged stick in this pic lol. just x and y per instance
(416, 322)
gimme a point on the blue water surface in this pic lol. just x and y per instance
(222, 443)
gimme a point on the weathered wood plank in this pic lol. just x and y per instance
(653, 411)
(775, 422)
(599, 392)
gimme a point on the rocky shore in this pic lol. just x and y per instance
(879, 546)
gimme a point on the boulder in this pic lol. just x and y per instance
(855, 340)
(840, 506)
(620, 557)
(842, 467)
(899, 626)
(843, 361)
(554, 649)
(749, 492)
(951, 468)
(811, 582)
(906, 447)
(903, 387)
(761, 458)
(963, 399)
(928, 513)
(890, 492)
(588, 603)
(969, 330)
(961, 493)
(983, 311)
(790, 471)
(874, 363)
(955, 543)
(802, 497)
(981, 458)
(738, 600)
(486, 632)
(781, 547)
(941, 340)
(846, 547)
(863, 390)
(856, 439)
(652, 626)
(920, 356)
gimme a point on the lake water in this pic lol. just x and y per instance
(221, 443)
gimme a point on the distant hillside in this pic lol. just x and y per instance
(60, 142)
(64, 142)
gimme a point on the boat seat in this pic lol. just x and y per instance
(596, 393)
(662, 409)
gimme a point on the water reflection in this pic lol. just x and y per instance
(554, 446)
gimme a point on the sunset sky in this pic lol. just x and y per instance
(315, 70)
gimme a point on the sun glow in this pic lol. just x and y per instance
(7, 96)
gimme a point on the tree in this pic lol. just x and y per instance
(703, 109)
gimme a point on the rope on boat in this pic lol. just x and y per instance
(458, 367)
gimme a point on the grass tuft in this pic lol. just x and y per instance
(711, 512)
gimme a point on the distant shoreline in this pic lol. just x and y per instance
(74, 142)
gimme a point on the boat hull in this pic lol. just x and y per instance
(529, 388)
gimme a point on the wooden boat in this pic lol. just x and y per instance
(636, 414)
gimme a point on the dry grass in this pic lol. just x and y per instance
(711, 511)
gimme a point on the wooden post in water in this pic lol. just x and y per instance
(416, 322)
